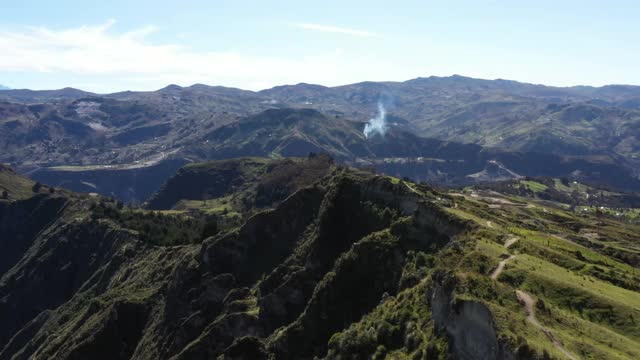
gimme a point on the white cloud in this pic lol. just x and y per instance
(131, 60)
(334, 29)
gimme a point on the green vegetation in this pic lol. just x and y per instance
(327, 262)
(581, 268)
(158, 228)
(568, 193)
(13, 185)
(400, 327)
(394, 180)
(239, 185)
(534, 186)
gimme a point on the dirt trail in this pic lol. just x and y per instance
(510, 241)
(529, 304)
(494, 198)
(498, 270)
(412, 188)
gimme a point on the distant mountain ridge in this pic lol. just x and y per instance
(611, 91)
(34, 96)
(2, 87)
(42, 129)
(289, 132)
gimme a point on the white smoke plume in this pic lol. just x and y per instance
(377, 124)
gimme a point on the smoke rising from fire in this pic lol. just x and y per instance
(377, 124)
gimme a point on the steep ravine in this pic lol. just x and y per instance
(83, 287)
(289, 278)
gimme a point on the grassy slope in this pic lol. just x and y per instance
(587, 299)
(17, 186)
(586, 292)
(591, 300)
(574, 195)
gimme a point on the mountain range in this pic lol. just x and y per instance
(483, 220)
(503, 129)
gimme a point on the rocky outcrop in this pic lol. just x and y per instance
(20, 223)
(468, 324)
(265, 240)
(371, 268)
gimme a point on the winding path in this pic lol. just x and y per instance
(529, 304)
(500, 268)
(510, 241)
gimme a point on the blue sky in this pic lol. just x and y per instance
(144, 45)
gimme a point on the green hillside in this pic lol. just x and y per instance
(571, 195)
(15, 185)
(301, 258)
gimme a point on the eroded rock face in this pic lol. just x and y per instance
(278, 286)
(266, 239)
(357, 283)
(469, 325)
(57, 258)
(21, 221)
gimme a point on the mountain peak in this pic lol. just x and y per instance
(171, 87)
